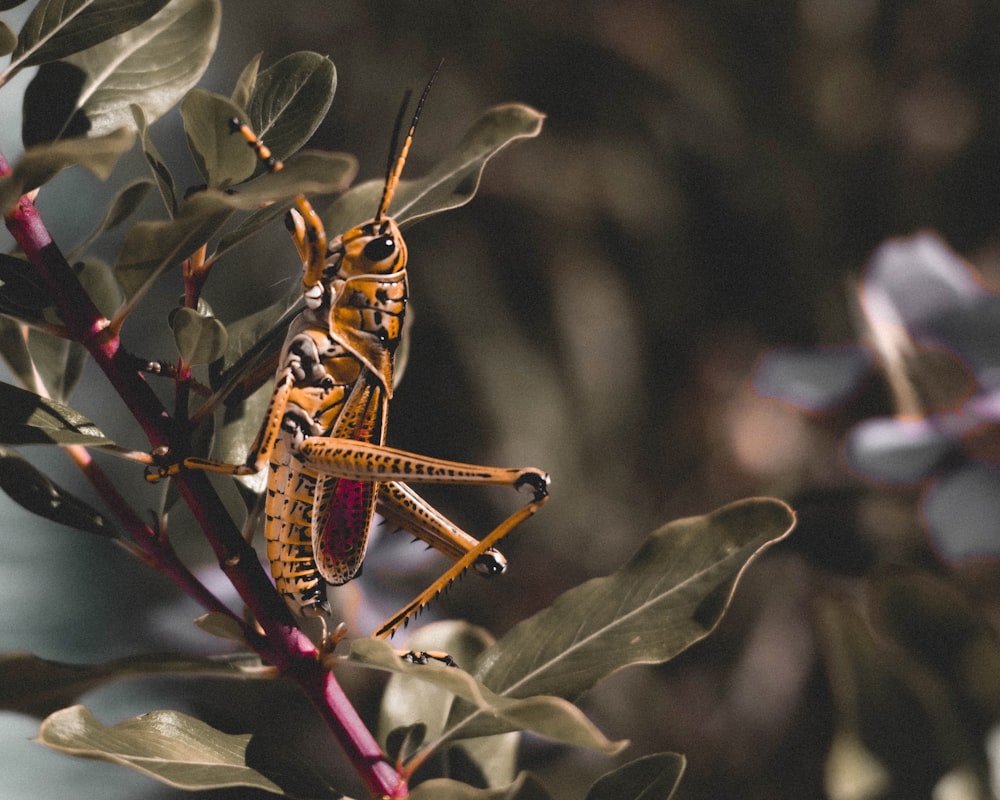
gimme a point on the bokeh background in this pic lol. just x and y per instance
(711, 178)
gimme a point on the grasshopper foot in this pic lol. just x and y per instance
(161, 467)
(490, 563)
(425, 657)
(535, 480)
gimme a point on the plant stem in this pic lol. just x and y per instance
(283, 643)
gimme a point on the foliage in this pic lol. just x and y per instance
(713, 180)
(920, 646)
(932, 330)
(84, 108)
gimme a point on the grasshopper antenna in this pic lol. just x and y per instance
(395, 166)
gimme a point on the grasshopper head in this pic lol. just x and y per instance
(367, 295)
(373, 248)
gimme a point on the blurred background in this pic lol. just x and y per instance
(709, 183)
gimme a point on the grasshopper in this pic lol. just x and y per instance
(323, 436)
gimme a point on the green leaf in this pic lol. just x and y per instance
(15, 352)
(290, 100)
(152, 247)
(306, 172)
(452, 183)
(647, 612)
(524, 788)
(222, 158)
(30, 489)
(200, 339)
(240, 425)
(58, 28)
(100, 284)
(8, 39)
(408, 701)
(125, 204)
(256, 361)
(552, 717)
(245, 387)
(934, 619)
(50, 102)
(164, 180)
(32, 685)
(252, 340)
(892, 711)
(144, 66)
(41, 163)
(852, 770)
(27, 418)
(221, 625)
(653, 777)
(402, 743)
(246, 82)
(22, 293)
(59, 363)
(174, 748)
(252, 224)
(671, 594)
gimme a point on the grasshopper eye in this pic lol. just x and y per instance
(380, 249)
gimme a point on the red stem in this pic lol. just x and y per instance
(283, 643)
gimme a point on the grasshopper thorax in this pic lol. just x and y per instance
(360, 301)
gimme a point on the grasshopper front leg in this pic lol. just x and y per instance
(260, 451)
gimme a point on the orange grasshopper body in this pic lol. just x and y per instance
(323, 438)
(338, 381)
